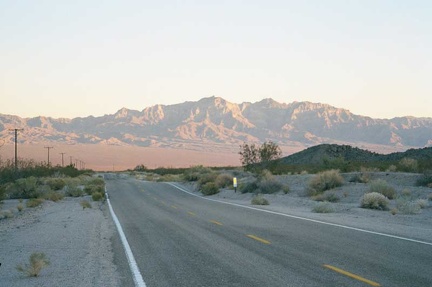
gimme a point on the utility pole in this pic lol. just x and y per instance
(62, 153)
(76, 163)
(16, 146)
(70, 157)
(48, 148)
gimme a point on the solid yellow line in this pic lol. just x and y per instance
(216, 222)
(173, 206)
(191, 213)
(351, 275)
(258, 239)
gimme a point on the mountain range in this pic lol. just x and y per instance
(215, 121)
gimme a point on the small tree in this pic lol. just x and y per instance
(269, 151)
(248, 155)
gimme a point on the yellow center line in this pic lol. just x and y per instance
(216, 222)
(191, 213)
(351, 275)
(258, 239)
(173, 206)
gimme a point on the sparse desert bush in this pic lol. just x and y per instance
(85, 204)
(224, 180)
(37, 262)
(2, 192)
(194, 173)
(209, 188)
(374, 200)
(259, 200)
(286, 189)
(328, 196)
(23, 188)
(249, 187)
(430, 197)
(74, 191)
(423, 203)
(406, 193)
(267, 186)
(392, 168)
(323, 181)
(381, 186)
(394, 211)
(34, 202)
(266, 175)
(55, 183)
(6, 214)
(360, 177)
(92, 188)
(425, 180)
(97, 196)
(206, 178)
(169, 178)
(408, 206)
(323, 207)
(53, 196)
(20, 207)
(408, 165)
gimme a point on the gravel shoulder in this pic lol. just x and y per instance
(77, 242)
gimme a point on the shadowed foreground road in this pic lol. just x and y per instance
(183, 240)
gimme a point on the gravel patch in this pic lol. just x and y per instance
(77, 242)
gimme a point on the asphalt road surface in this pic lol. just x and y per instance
(182, 240)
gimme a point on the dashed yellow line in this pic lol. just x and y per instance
(351, 275)
(191, 213)
(173, 206)
(216, 222)
(258, 239)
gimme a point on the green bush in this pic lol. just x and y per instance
(326, 196)
(249, 187)
(55, 183)
(24, 188)
(268, 186)
(209, 188)
(85, 204)
(224, 180)
(34, 202)
(53, 196)
(97, 196)
(374, 200)
(206, 178)
(408, 165)
(92, 188)
(74, 191)
(425, 180)
(408, 206)
(381, 186)
(259, 200)
(323, 181)
(323, 207)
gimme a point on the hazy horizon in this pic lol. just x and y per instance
(81, 58)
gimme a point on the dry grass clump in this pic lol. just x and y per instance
(323, 181)
(97, 196)
(34, 202)
(423, 203)
(55, 183)
(259, 200)
(328, 196)
(20, 207)
(374, 200)
(408, 206)
(37, 262)
(53, 196)
(408, 165)
(381, 186)
(323, 207)
(6, 214)
(224, 180)
(209, 188)
(85, 204)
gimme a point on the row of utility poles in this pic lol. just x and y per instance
(79, 164)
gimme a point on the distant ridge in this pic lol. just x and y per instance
(213, 121)
(330, 152)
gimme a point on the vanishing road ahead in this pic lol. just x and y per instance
(179, 239)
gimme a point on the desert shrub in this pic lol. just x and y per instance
(209, 188)
(406, 193)
(194, 173)
(37, 262)
(360, 178)
(249, 187)
(34, 202)
(85, 204)
(323, 181)
(423, 203)
(24, 188)
(92, 188)
(323, 207)
(408, 206)
(392, 168)
(259, 200)
(326, 196)
(425, 180)
(206, 178)
(6, 214)
(374, 200)
(408, 165)
(20, 207)
(74, 191)
(381, 186)
(224, 180)
(55, 183)
(2, 192)
(53, 196)
(96, 181)
(169, 178)
(265, 174)
(97, 196)
(286, 189)
(268, 186)
(430, 197)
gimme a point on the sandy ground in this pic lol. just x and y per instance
(76, 241)
(347, 210)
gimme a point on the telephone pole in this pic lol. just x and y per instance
(16, 146)
(70, 158)
(48, 148)
(62, 153)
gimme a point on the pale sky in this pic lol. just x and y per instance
(80, 58)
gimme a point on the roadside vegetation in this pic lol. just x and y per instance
(37, 262)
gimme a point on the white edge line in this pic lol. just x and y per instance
(137, 278)
(304, 218)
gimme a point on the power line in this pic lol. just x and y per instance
(16, 145)
(48, 148)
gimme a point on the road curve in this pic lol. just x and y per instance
(182, 240)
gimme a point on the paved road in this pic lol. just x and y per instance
(183, 240)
